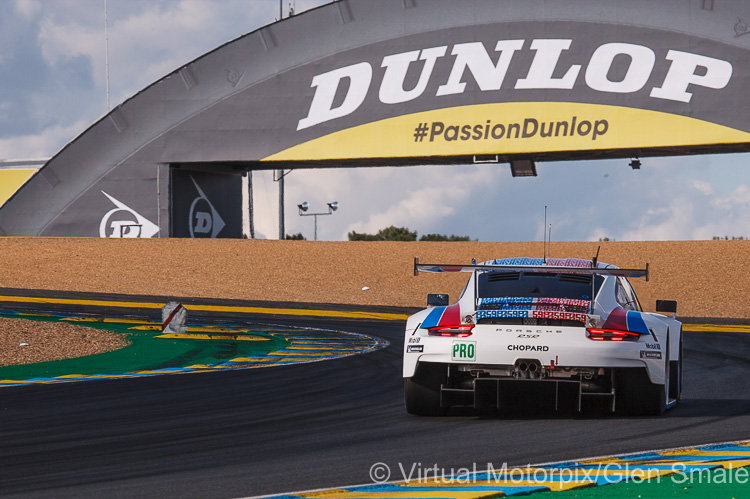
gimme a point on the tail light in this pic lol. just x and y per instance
(460, 331)
(598, 334)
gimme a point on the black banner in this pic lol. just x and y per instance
(205, 205)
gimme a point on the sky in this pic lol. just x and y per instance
(53, 86)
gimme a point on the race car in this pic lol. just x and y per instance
(542, 335)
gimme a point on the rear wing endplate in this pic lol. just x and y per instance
(442, 268)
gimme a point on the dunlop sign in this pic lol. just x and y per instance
(490, 76)
(605, 88)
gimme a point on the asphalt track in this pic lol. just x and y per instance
(324, 424)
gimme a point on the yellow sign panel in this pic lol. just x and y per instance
(11, 181)
(513, 128)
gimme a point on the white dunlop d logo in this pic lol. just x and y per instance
(125, 222)
(204, 219)
(464, 351)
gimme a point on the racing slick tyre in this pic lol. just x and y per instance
(639, 395)
(422, 391)
(635, 395)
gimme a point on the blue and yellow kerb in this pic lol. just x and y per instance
(683, 466)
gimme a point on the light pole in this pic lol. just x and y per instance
(303, 213)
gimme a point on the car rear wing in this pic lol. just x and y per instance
(443, 268)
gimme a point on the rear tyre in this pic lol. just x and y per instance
(637, 396)
(422, 391)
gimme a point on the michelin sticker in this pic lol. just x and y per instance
(464, 351)
(125, 222)
(646, 354)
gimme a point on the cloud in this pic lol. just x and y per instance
(670, 200)
(160, 37)
(28, 8)
(53, 62)
(663, 223)
(38, 145)
(63, 41)
(669, 206)
(420, 198)
(738, 199)
(703, 187)
(422, 205)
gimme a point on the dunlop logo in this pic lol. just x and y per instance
(342, 91)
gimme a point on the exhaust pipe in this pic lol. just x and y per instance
(528, 369)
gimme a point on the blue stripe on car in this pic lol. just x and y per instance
(433, 319)
(636, 324)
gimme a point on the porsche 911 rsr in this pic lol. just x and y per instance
(554, 334)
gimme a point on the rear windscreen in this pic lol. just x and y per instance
(537, 285)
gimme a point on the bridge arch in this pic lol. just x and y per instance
(399, 82)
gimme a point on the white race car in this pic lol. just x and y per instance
(554, 334)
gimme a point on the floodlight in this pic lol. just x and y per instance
(523, 167)
(332, 206)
